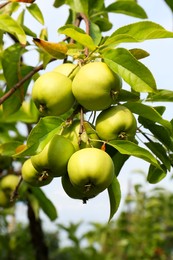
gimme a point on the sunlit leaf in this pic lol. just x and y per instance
(57, 50)
(40, 135)
(78, 35)
(8, 24)
(138, 32)
(137, 75)
(162, 95)
(36, 13)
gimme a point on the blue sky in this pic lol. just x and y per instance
(159, 62)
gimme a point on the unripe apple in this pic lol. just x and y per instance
(4, 200)
(91, 171)
(95, 86)
(59, 152)
(83, 140)
(33, 177)
(9, 183)
(72, 191)
(52, 93)
(67, 69)
(116, 122)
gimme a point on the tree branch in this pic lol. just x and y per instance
(21, 82)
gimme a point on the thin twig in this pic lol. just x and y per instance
(3, 5)
(14, 195)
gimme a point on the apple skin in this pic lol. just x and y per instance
(9, 182)
(59, 152)
(52, 94)
(95, 85)
(40, 160)
(4, 200)
(91, 171)
(32, 177)
(72, 133)
(116, 123)
(67, 69)
(72, 191)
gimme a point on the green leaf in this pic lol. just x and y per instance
(129, 148)
(40, 135)
(8, 24)
(78, 6)
(138, 32)
(125, 95)
(161, 95)
(45, 203)
(119, 160)
(114, 193)
(137, 75)
(35, 11)
(128, 8)
(160, 152)
(78, 35)
(8, 149)
(139, 53)
(13, 72)
(170, 4)
(160, 132)
(155, 174)
(95, 33)
(148, 112)
(58, 3)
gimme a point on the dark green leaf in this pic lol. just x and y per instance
(170, 4)
(119, 160)
(160, 152)
(127, 7)
(58, 3)
(148, 112)
(137, 75)
(155, 174)
(160, 132)
(45, 204)
(125, 95)
(114, 193)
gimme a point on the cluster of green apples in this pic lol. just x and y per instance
(77, 155)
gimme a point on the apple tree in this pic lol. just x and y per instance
(87, 116)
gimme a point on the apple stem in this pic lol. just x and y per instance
(81, 129)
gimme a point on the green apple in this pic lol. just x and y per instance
(4, 200)
(33, 177)
(54, 157)
(52, 93)
(116, 122)
(72, 191)
(95, 86)
(67, 69)
(9, 183)
(91, 171)
(88, 137)
(59, 152)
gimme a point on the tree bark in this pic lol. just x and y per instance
(37, 235)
